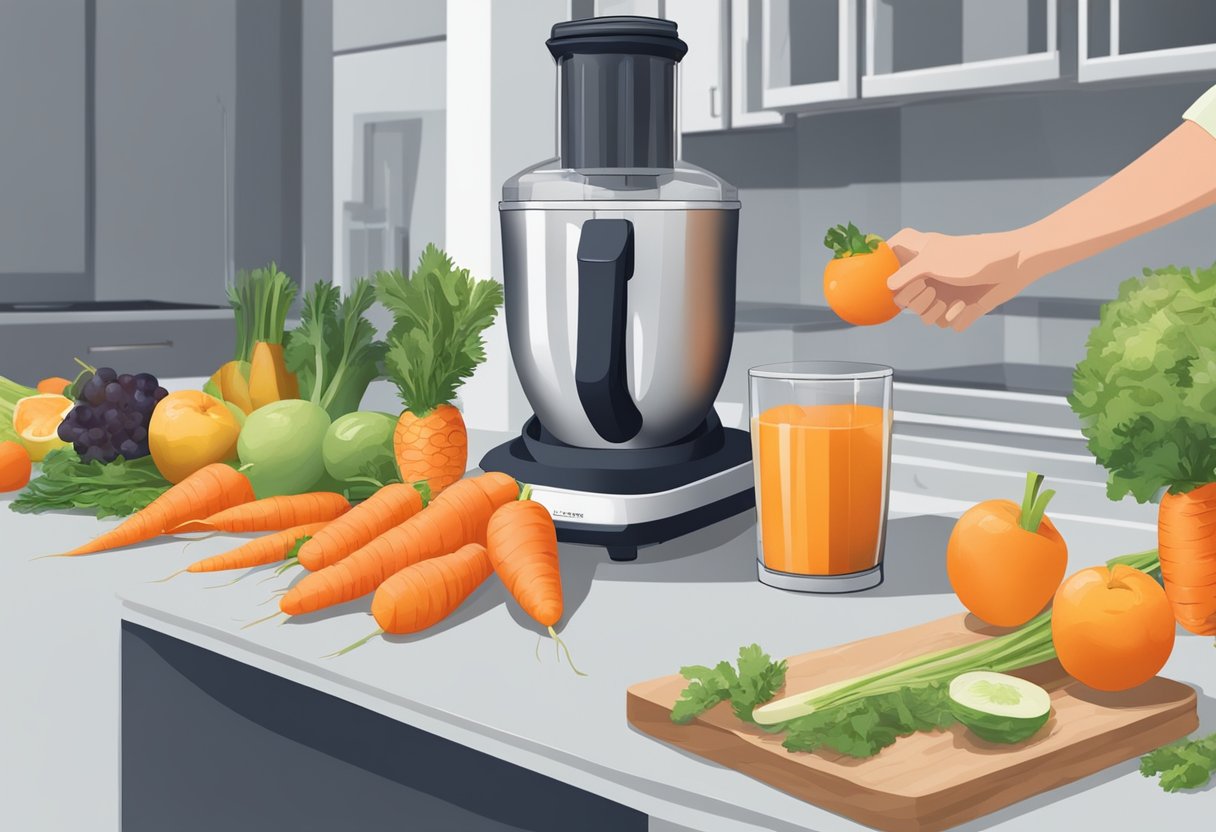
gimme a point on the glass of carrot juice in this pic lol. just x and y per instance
(821, 450)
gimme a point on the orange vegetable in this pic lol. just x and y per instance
(522, 545)
(259, 552)
(855, 279)
(1005, 561)
(390, 506)
(1187, 548)
(54, 384)
(206, 491)
(271, 514)
(1113, 628)
(457, 516)
(422, 595)
(433, 448)
(232, 380)
(14, 466)
(269, 378)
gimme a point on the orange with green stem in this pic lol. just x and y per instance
(1005, 560)
(855, 279)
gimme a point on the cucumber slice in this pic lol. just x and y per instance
(997, 707)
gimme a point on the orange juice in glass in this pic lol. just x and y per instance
(821, 447)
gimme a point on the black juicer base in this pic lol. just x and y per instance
(538, 458)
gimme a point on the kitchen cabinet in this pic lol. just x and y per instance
(746, 67)
(703, 72)
(809, 52)
(1133, 38)
(943, 45)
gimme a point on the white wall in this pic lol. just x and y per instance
(402, 81)
(359, 24)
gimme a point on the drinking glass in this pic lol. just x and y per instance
(821, 450)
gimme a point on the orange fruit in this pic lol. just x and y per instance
(1003, 573)
(54, 384)
(36, 420)
(1113, 629)
(188, 431)
(856, 286)
(14, 466)
(432, 448)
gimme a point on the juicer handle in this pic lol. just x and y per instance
(605, 264)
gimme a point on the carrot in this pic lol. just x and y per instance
(457, 516)
(390, 506)
(1187, 549)
(521, 542)
(259, 552)
(210, 489)
(271, 514)
(433, 448)
(422, 595)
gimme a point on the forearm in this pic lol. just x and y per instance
(1174, 178)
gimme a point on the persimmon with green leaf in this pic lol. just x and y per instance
(1005, 560)
(855, 279)
(1146, 396)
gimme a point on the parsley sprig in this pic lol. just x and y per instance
(1186, 764)
(758, 677)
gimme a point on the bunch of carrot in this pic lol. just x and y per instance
(421, 560)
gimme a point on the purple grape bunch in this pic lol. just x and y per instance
(111, 415)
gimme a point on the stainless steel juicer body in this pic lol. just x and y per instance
(620, 314)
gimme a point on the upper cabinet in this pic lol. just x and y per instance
(1132, 38)
(703, 72)
(809, 51)
(941, 45)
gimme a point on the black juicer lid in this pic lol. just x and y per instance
(619, 35)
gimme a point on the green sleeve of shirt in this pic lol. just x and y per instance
(1203, 111)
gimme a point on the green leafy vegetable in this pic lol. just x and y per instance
(757, 679)
(1146, 389)
(260, 300)
(864, 727)
(112, 489)
(10, 393)
(439, 313)
(333, 351)
(848, 241)
(1186, 764)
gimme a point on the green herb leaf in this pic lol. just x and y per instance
(1146, 389)
(755, 682)
(112, 489)
(439, 314)
(864, 727)
(260, 300)
(1186, 764)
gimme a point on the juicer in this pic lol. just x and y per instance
(619, 281)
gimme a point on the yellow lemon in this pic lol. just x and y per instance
(36, 420)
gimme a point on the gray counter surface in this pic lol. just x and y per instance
(476, 679)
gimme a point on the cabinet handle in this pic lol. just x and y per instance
(152, 345)
(713, 101)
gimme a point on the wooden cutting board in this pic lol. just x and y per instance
(929, 781)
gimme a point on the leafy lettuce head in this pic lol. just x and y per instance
(1146, 390)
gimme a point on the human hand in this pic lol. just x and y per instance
(951, 281)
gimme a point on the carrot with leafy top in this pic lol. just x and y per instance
(389, 506)
(271, 514)
(208, 490)
(457, 516)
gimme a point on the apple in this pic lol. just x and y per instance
(189, 430)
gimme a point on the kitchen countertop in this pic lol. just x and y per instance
(693, 600)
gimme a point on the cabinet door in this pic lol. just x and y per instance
(941, 45)
(809, 51)
(1133, 38)
(703, 27)
(746, 59)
